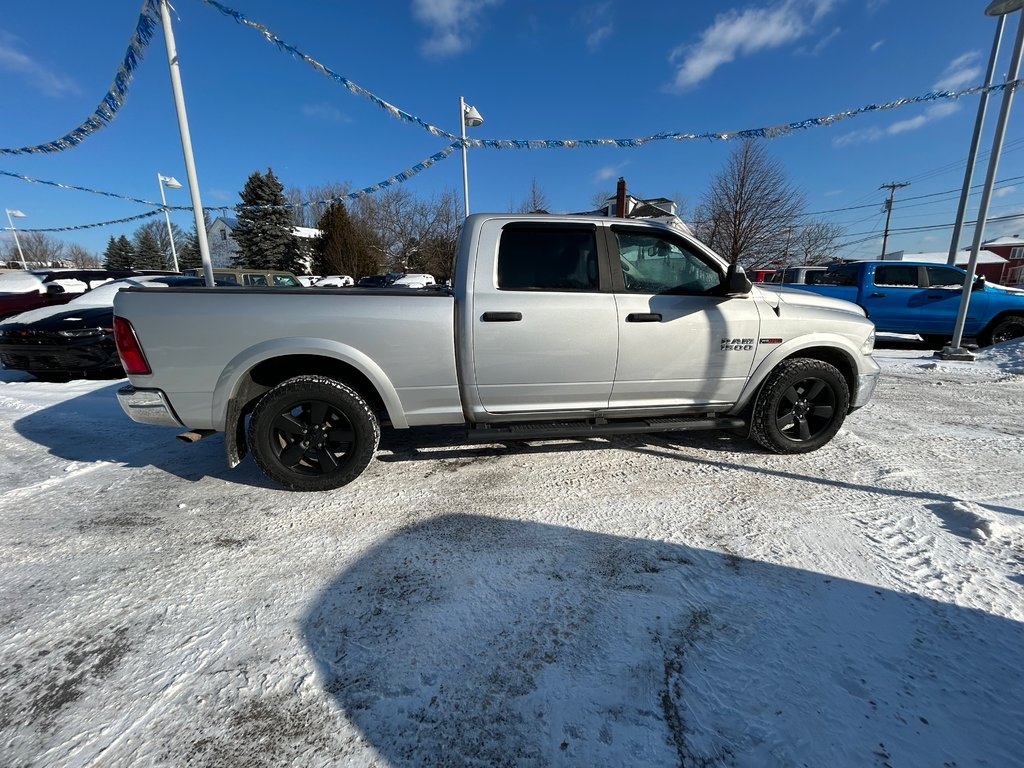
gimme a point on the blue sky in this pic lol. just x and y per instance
(566, 70)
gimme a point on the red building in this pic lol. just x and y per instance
(1011, 249)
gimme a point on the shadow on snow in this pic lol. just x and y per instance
(467, 640)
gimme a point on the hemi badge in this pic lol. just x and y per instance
(771, 341)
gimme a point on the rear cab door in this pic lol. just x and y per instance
(944, 289)
(538, 329)
(892, 294)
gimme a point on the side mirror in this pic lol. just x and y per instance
(979, 284)
(736, 281)
(52, 289)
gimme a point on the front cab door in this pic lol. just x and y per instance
(682, 342)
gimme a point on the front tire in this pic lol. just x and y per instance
(800, 407)
(312, 433)
(1007, 328)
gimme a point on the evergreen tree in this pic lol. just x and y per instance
(264, 234)
(148, 254)
(119, 254)
(110, 253)
(340, 249)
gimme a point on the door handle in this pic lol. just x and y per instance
(877, 295)
(501, 317)
(643, 317)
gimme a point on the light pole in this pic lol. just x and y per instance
(18, 215)
(171, 183)
(468, 115)
(955, 350)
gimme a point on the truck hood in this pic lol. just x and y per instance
(798, 298)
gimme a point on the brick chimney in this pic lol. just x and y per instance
(620, 198)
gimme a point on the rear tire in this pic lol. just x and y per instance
(800, 407)
(312, 433)
(1005, 329)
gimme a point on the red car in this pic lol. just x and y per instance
(22, 291)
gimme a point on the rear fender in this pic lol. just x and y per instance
(231, 395)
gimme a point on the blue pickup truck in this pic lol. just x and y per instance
(907, 297)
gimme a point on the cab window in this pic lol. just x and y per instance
(845, 275)
(284, 281)
(896, 276)
(655, 264)
(943, 277)
(547, 259)
(255, 279)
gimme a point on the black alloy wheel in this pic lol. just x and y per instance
(1007, 329)
(312, 433)
(800, 407)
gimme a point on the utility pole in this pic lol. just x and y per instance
(892, 186)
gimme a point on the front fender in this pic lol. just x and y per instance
(792, 348)
(231, 378)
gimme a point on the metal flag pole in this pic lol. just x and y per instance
(186, 142)
(972, 153)
(955, 350)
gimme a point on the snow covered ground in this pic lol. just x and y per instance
(669, 600)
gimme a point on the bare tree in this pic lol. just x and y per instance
(815, 243)
(309, 204)
(600, 199)
(536, 201)
(39, 248)
(749, 208)
(79, 256)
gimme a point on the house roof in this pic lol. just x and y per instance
(962, 257)
(233, 225)
(1006, 240)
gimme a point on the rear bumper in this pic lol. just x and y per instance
(147, 406)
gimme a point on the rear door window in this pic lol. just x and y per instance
(548, 259)
(846, 275)
(896, 275)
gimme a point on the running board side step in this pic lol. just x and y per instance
(488, 433)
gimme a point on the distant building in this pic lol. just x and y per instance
(223, 246)
(656, 208)
(1011, 249)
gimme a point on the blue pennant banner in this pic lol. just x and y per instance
(770, 132)
(91, 191)
(114, 98)
(353, 87)
(391, 181)
(91, 226)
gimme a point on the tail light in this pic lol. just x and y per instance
(128, 348)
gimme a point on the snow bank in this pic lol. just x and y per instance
(1007, 356)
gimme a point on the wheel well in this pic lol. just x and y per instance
(1003, 316)
(835, 357)
(266, 375)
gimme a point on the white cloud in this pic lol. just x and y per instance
(744, 33)
(452, 22)
(1004, 191)
(598, 23)
(962, 71)
(609, 172)
(13, 60)
(959, 72)
(819, 46)
(931, 114)
(876, 45)
(325, 112)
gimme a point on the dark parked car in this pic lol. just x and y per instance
(76, 339)
(374, 281)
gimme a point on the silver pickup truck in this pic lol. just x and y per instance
(556, 326)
